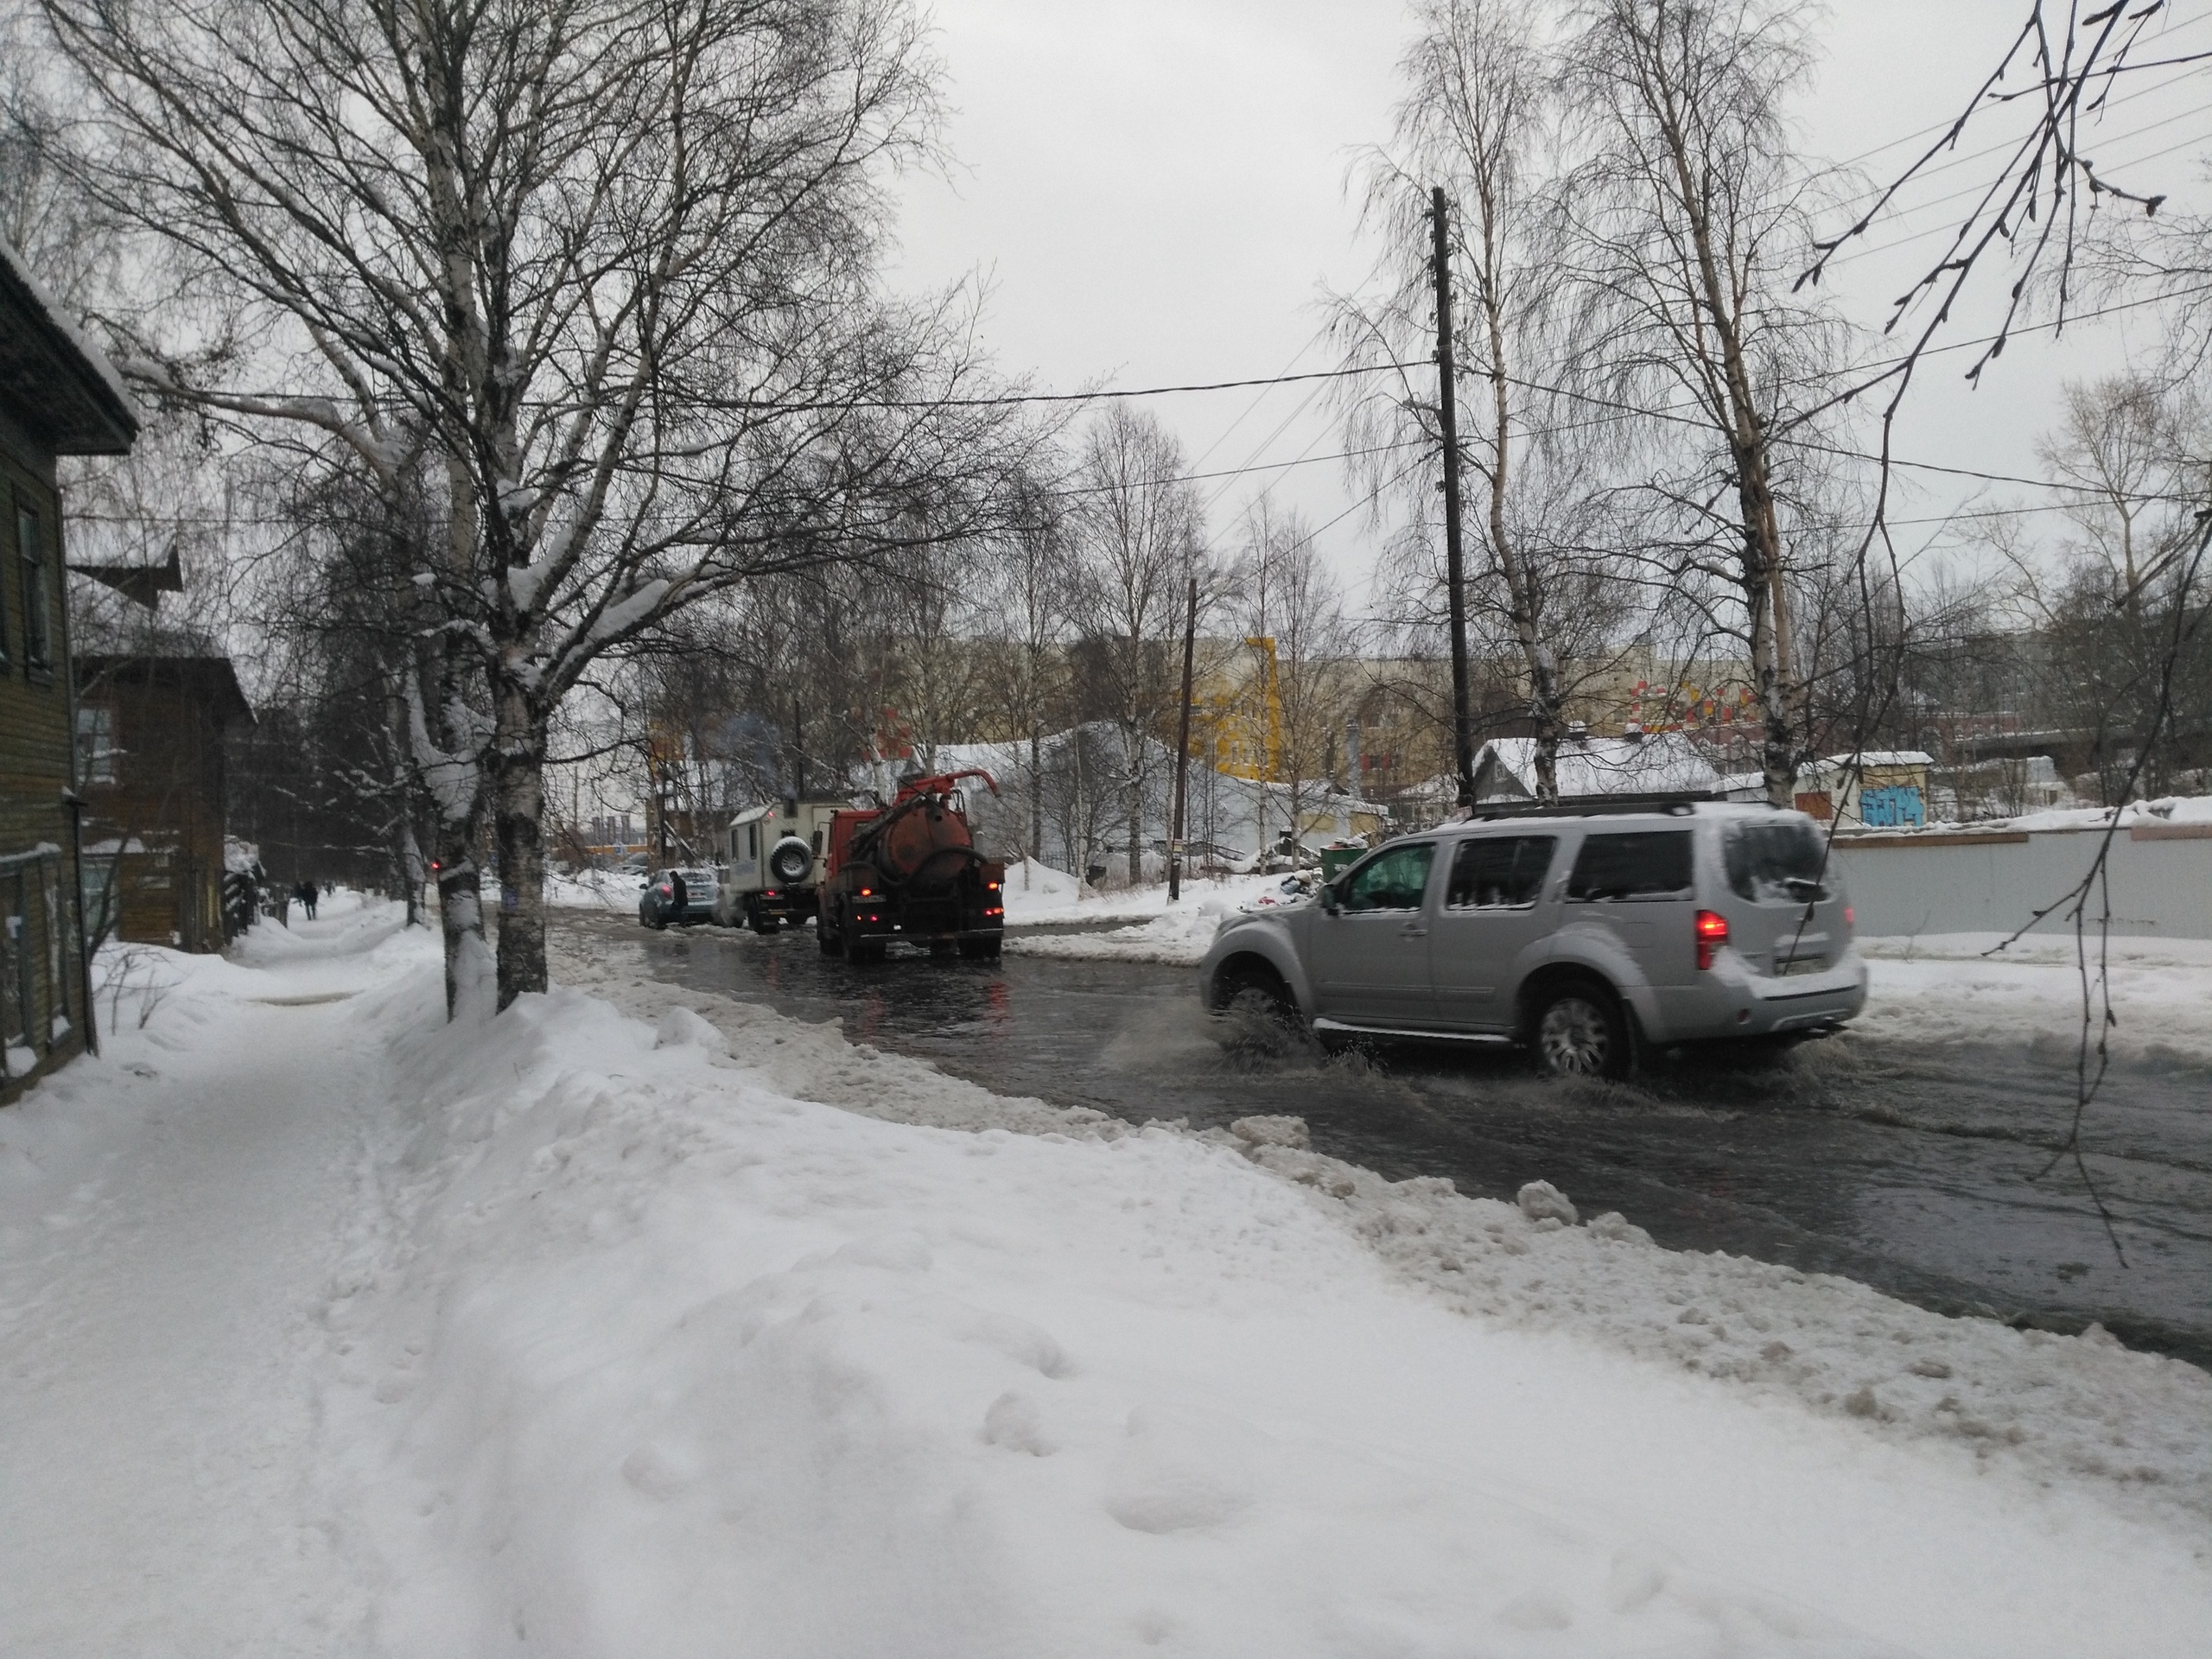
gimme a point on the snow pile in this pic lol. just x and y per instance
(1960, 988)
(1050, 903)
(1179, 936)
(666, 1360)
(2170, 809)
(1033, 889)
(616, 890)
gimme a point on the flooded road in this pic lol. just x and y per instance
(1910, 1166)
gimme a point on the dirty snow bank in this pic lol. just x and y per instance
(1054, 898)
(1960, 987)
(2056, 1407)
(663, 1358)
(616, 890)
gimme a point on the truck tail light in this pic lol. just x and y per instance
(1712, 934)
(1850, 916)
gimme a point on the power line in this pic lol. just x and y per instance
(2165, 33)
(221, 520)
(1956, 161)
(1007, 400)
(1938, 230)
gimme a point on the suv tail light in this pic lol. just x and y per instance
(1712, 934)
(1850, 916)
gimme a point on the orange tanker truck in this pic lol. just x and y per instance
(911, 871)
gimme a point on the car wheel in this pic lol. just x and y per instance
(1583, 1033)
(1253, 988)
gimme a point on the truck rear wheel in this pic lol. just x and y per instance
(982, 950)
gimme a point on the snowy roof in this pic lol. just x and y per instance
(1884, 758)
(56, 381)
(1664, 763)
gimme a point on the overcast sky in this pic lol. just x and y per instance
(1154, 190)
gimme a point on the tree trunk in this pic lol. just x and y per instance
(1544, 705)
(517, 826)
(1132, 748)
(1036, 797)
(407, 863)
(460, 919)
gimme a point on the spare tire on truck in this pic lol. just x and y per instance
(790, 860)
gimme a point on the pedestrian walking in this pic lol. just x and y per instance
(306, 892)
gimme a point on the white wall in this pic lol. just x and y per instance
(2161, 885)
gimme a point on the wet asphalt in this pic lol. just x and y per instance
(1925, 1169)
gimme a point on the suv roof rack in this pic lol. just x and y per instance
(1679, 805)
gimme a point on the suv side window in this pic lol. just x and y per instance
(1645, 864)
(1499, 872)
(1394, 879)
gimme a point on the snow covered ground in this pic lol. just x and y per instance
(1949, 986)
(616, 890)
(620, 1328)
(2172, 809)
(1038, 895)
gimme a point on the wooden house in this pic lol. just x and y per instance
(57, 397)
(151, 761)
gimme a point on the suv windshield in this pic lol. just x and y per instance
(1776, 864)
(1647, 864)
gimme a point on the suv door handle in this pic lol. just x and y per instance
(1413, 930)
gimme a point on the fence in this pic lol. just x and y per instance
(2160, 877)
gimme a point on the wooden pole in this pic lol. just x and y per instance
(1182, 751)
(1463, 724)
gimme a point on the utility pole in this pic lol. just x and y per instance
(798, 751)
(1463, 722)
(1182, 751)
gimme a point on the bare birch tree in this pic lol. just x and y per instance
(1138, 535)
(1476, 120)
(1033, 574)
(614, 257)
(1281, 590)
(1685, 211)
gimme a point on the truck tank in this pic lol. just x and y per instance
(912, 870)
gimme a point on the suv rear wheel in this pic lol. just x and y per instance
(1583, 1031)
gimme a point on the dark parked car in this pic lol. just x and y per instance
(657, 906)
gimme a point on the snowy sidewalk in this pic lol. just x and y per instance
(587, 1334)
(169, 1217)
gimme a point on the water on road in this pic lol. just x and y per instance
(1924, 1169)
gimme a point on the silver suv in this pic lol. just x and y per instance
(1580, 934)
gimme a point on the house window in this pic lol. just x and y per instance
(18, 974)
(96, 745)
(30, 547)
